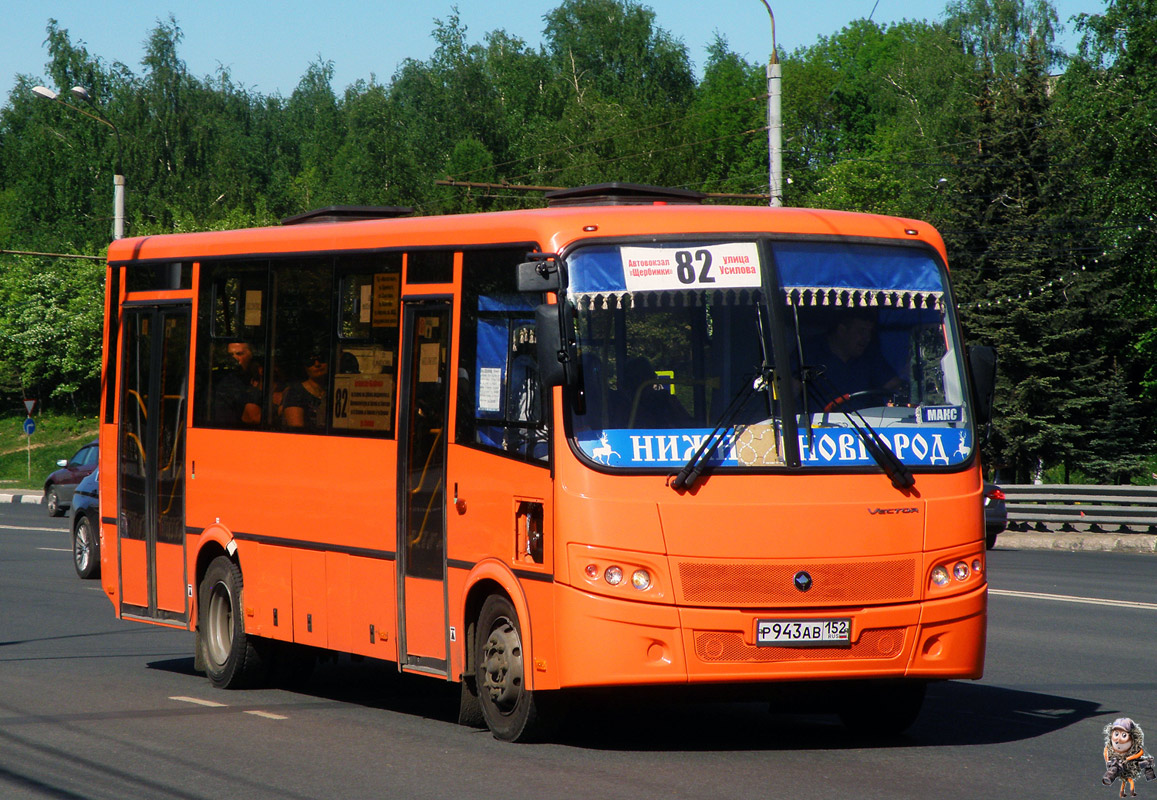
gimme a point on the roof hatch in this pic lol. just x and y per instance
(622, 194)
(347, 214)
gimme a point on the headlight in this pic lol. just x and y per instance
(613, 575)
(641, 579)
(960, 571)
(940, 576)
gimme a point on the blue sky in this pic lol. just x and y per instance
(267, 45)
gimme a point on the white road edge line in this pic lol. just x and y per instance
(56, 549)
(199, 702)
(1065, 598)
(266, 715)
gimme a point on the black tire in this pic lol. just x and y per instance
(233, 659)
(85, 549)
(990, 540)
(469, 705)
(511, 711)
(882, 708)
(52, 501)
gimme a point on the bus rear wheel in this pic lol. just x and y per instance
(232, 658)
(511, 711)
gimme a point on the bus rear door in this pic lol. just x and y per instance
(422, 486)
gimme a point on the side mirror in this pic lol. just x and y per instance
(556, 362)
(982, 365)
(539, 276)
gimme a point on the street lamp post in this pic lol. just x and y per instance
(118, 178)
(774, 120)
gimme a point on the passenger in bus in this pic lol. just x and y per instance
(303, 404)
(847, 365)
(648, 399)
(237, 395)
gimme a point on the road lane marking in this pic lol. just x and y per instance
(28, 528)
(213, 704)
(199, 702)
(1066, 598)
(56, 549)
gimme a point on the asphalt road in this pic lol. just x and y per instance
(91, 707)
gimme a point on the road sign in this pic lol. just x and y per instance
(29, 426)
(30, 404)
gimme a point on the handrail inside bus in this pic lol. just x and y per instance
(140, 402)
(422, 480)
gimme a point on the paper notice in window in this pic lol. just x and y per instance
(363, 402)
(490, 389)
(429, 357)
(253, 308)
(386, 288)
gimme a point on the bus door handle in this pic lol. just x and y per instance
(459, 503)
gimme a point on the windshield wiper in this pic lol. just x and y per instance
(686, 477)
(896, 470)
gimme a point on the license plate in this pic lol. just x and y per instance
(803, 633)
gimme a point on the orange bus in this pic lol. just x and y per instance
(627, 440)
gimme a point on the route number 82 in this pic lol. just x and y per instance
(685, 267)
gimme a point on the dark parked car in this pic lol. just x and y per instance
(86, 527)
(995, 514)
(60, 485)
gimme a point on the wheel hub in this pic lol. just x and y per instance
(502, 667)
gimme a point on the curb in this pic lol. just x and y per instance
(28, 498)
(1079, 542)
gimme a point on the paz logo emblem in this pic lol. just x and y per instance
(802, 581)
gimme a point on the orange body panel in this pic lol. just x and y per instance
(425, 635)
(171, 561)
(133, 568)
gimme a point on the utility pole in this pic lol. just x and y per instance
(774, 120)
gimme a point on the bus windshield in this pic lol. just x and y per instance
(675, 339)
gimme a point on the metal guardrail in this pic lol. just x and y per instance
(1044, 507)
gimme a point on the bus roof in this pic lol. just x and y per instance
(551, 228)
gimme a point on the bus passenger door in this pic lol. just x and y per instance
(423, 627)
(151, 469)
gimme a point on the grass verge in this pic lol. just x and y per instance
(57, 437)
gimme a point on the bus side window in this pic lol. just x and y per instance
(365, 379)
(301, 343)
(231, 365)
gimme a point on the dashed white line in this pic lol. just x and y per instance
(213, 704)
(199, 702)
(1066, 598)
(266, 715)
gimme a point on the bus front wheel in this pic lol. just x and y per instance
(232, 658)
(511, 711)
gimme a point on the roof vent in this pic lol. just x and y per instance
(347, 214)
(622, 194)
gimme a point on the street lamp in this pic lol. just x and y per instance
(118, 178)
(774, 120)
